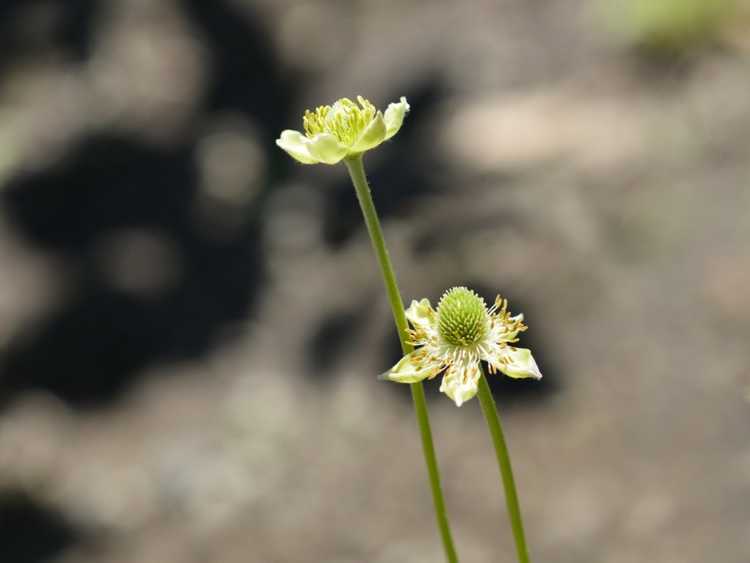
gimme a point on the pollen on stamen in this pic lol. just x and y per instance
(345, 120)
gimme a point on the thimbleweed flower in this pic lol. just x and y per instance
(344, 129)
(456, 337)
(343, 132)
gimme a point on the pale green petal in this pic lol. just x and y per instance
(410, 369)
(422, 315)
(372, 136)
(394, 117)
(296, 145)
(326, 148)
(461, 384)
(518, 363)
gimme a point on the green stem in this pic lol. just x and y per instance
(506, 471)
(357, 173)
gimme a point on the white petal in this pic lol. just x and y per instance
(411, 369)
(372, 136)
(422, 315)
(460, 382)
(517, 363)
(326, 148)
(296, 144)
(394, 117)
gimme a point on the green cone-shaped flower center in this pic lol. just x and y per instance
(462, 317)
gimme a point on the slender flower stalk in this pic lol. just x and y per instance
(343, 132)
(506, 471)
(357, 173)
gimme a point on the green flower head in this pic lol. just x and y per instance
(344, 129)
(458, 336)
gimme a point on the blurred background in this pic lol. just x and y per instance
(191, 322)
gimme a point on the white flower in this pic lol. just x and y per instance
(456, 337)
(344, 129)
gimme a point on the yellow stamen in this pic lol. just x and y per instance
(345, 120)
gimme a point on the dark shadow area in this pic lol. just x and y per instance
(106, 182)
(33, 26)
(246, 76)
(664, 68)
(90, 349)
(434, 241)
(245, 72)
(31, 533)
(334, 334)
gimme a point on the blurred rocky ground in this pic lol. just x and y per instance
(191, 323)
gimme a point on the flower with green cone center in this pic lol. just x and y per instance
(457, 337)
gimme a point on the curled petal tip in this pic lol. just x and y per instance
(411, 369)
(394, 117)
(518, 363)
